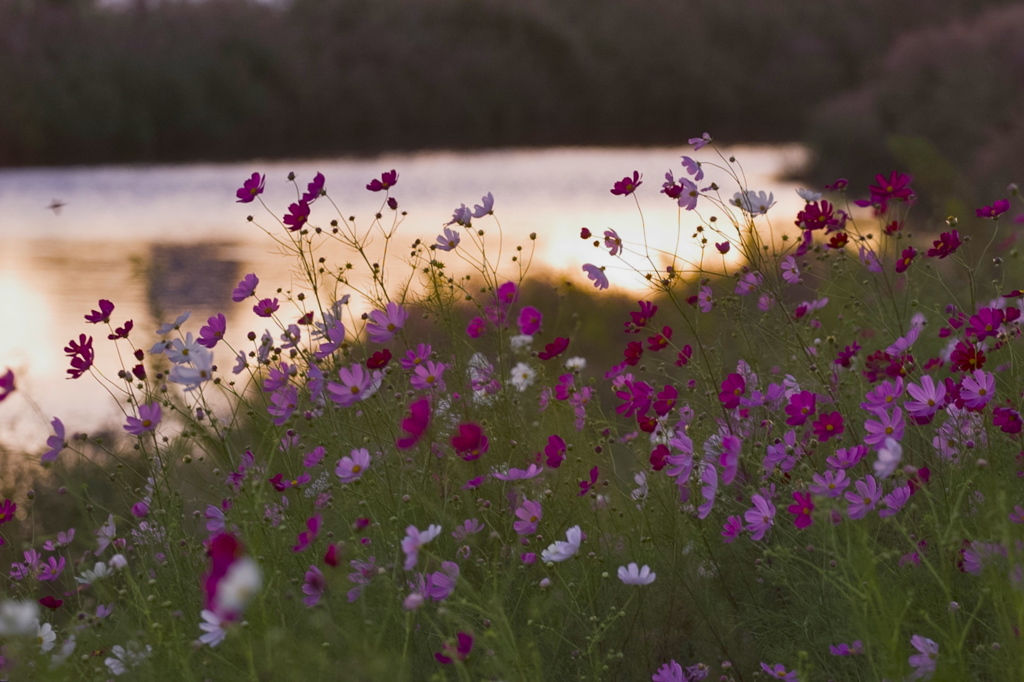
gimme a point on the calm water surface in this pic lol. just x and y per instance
(159, 240)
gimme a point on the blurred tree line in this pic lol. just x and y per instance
(91, 81)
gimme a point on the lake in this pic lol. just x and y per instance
(158, 240)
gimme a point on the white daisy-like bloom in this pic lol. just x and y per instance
(520, 341)
(118, 561)
(753, 203)
(213, 627)
(45, 636)
(641, 492)
(634, 575)
(126, 658)
(18, 618)
(66, 649)
(576, 364)
(808, 195)
(559, 550)
(237, 588)
(889, 456)
(522, 376)
(99, 571)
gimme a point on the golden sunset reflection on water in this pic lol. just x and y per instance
(159, 240)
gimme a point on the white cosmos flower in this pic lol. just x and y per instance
(889, 456)
(754, 203)
(560, 551)
(633, 575)
(125, 658)
(808, 195)
(46, 636)
(18, 617)
(576, 364)
(520, 341)
(237, 588)
(213, 628)
(522, 376)
(100, 570)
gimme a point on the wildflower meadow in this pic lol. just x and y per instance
(797, 457)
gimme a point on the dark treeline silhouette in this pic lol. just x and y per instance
(145, 80)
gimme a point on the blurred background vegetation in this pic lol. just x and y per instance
(868, 84)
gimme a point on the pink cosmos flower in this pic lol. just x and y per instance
(387, 180)
(414, 540)
(830, 484)
(529, 320)
(428, 376)
(790, 271)
(978, 389)
(864, 499)
(760, 517)
(413, 358)
(383, 325)
(447, 241)
(928, 398)
(313, 587)
(801, 510)
(148, 419)
(415, 425)
(354, 386)
(731, 529)
(440, 584)
(709, 489)
(7, 510)
(779, 672)
(729, 458)
(844, 649)
(529, 514)
(245, 288)
(700, 142)
(306, 537)
(351, 468)
(612, 242)
(266, 307)
(1007, 419)
(886, 426)
(251, 188)
(596, 275)
(924, 661)
(704, 299)
(514, 474)
(670, 672)
(894, 501)
(57, 442)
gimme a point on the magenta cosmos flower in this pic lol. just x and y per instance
(529, 320)
(460, 651)
(864, 498)
(415, 425)
(596, 275)
(245, 288)
(313, 587)
(101, 315)
(732, 388)
(627, 185)
(828, 425)
(387, 180)
(428, 376)
(554, 349)
(298, 214)
(351, 468)
(56, 442)
(251, 188)
(801, 510)
(213, 331)
(383, 325)
(997, 209)
(470, 442)
(354, 386)
(978, 389)
(82, 355)
(779, 672)
(148, 419)
(6, 384)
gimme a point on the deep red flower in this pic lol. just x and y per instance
(122, 332)
(658, 456)
(659, 341)
(101, 315)
(634, 349)
(379, 360)
(638, 320)
(684, 356)
(555, 451)
(905, 258)
(966, 358)
(817, 215)
(585, 233)
(51, 602)
(555, 348)
(828, 426)
(585, 486)
(945, 245)
(838, 240)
